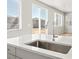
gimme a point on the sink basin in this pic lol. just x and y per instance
(51, 46)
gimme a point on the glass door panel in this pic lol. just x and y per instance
(35, 22)
(44, 23)
(44, 20)
(39, 20)
(35, 19)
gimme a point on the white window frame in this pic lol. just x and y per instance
(20, 17)
(55, 20)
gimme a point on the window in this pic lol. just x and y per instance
(39, 19)
(58, 19)
(13, 14)
(44, 20)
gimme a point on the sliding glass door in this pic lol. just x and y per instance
(44, 20)
(35, 19)
(39, 20)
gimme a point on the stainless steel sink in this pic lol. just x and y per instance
(51, 46)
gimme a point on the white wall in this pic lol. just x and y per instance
(51, 13)
(27, 19)
(68, 18)
(26, 14)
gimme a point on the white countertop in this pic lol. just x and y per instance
(19, 43)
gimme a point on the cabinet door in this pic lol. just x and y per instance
(30, 55)
(11, 49)
(10, 56)
(18, 57)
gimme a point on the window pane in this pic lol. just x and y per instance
(43, 14)
(13, 9)
(35, 11)
(35, 19)
(39, 19)
(44, 20)
(58, 20)
(35, 23)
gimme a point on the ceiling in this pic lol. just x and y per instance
(63, 5)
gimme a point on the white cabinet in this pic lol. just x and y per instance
(9, 56)
(18, 53)
(30, 55)
(10, 52)
(17, 57)
(11, 49)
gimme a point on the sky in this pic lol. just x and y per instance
(12, 8)
(35, 11)
(39, 12)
